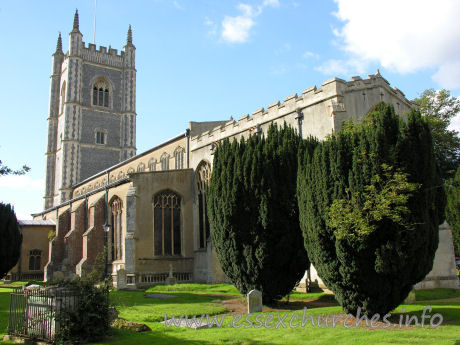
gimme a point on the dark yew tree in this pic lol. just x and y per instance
(253, 212)
(370, 202)
(10, 239)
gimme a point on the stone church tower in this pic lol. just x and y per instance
(92, 113)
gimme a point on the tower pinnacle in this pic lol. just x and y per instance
(76, 22)
(129, 40)
(59, 44)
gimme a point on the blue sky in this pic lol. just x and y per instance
(207, 60)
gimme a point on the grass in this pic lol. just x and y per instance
(426, 295)
(198, 299)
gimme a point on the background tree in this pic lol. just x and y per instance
(453, 208)
(253, 212)
(4, 170)
(439, 108)
(370, 202)
(10, 239)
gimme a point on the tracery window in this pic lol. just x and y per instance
(101, 93)
(35, 260)
(179, 158)
(202, 176)
(164, 160)
(117, 229)
(152, 164)
(166, 220)
(141, 167)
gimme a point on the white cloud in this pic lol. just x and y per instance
(178, 5)
(344, 68)
(309, 54)
(405, 36)
(24, 182)
(212, 26)
(237, 29)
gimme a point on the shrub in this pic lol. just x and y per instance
(253, 212)
(10, 239)
(89, 320)
(370, 202)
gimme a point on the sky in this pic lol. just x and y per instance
(205, 60)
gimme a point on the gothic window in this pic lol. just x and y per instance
(141, 167)
(121, 175)
(164, 161)
(179, 158)
(130, 170)
(152, 164)
(101, 137)
(35, 260)
(202, 176)
(61, 110)
(101, 93)
(166, 220)
(117, 229)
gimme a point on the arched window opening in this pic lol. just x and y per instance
(164, 161)
(179, 158)
(166, 220)
(141, 167)
(152, 164)
(101, 93)
(35, 260)
(117, 229)
(61, 109)
(202, 177)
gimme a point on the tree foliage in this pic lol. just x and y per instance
(10, 239)
(439, 108)
(370, 202)
(253, 212)
(453, 208)
(5, 170)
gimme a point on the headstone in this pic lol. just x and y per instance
(170, 280)
(58, 275)
(121, 279)
(254, 301)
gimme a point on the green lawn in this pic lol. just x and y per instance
(198, 299)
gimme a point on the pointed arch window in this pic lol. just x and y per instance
(101, 93)
(164, 160)
(35, 260)
(61, 109)
(166, 223)
(202, 176)
(117, 228)
(152, 164)
(179, 158)
(141, 167)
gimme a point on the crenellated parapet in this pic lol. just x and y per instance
(102, 56)
(316, 111)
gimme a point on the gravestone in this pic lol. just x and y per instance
(121, 279)
(254, 301)
(171, 280)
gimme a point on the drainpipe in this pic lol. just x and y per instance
(299, 118)
(187, 135)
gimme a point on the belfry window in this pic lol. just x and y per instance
(35, 260)
(101, 137)
(203, 174)
(101, 93)
(117, 229)
(166, 220)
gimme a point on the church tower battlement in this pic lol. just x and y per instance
(92, 112)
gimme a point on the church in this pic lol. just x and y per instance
(147, 211)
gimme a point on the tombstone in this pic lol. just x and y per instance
(58, 275)
(121, 279)
(254, 301)
(170, 280)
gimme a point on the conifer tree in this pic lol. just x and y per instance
(253, 212)
(370, 202)
(10, 239)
